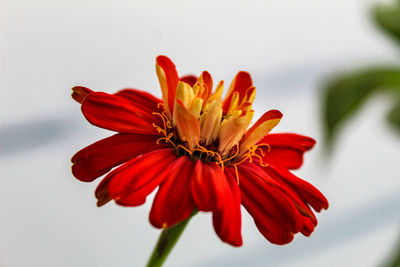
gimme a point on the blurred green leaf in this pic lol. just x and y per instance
(388, 18)
(394, 116)
(344, 95)
(394, 259)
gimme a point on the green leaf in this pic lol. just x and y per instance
(394, 116)
(394, 259)
(344, 95)
(388, 18)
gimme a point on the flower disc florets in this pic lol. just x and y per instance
(202, 125)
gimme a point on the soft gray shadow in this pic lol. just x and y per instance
(21, 137)
(348, 226)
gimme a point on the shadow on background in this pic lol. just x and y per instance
(26, 136)
(354, 223)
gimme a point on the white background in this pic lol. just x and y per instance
(47, 218)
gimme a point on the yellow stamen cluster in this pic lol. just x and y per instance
(205, 121)
(200, 127)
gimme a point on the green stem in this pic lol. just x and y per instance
(166, 242)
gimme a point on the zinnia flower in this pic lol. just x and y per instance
(198, 149)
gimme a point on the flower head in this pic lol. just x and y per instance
(197, 147)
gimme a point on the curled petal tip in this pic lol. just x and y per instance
(79, 93)
(161, 58)
(101, 193)
(189, 79)
(101, 202)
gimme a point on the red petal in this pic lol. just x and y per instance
(308, 218)
(294, 141)
(173, 202)
(117, 114)
(267, 116)
(288, 158)
(79, 93)
(240, 84)
(275, 232)
(100, 157)
(101, 192)
(261, 128)
(189, 79)
(301, 205)
(287, 149)
(228, 222)
(307, 191)
(308, 227)
(271, 209)
(130, 184)
(141, 100)
(207, 80)
(210, 190)
(169, 79)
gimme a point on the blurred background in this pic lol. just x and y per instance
(295, 51)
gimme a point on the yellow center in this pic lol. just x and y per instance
(201, 128)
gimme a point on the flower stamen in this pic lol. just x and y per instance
(212, 154)
(159, 129)
(252, 152)
(237, 173)
(184, 148)
(234, 155)
(222, 156)
(163, 119)
(261, 160)
(167, 140)
(264, 144)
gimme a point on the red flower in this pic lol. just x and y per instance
(195, 146)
